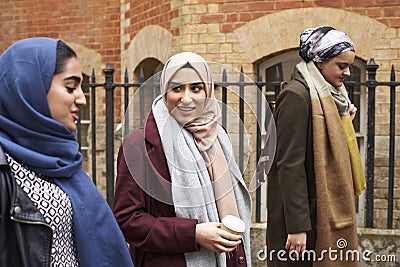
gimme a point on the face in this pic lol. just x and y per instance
(66, 96)
(336, 70)
(186, 95)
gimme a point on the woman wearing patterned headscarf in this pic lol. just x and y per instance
(51, 213)
(317, 168)
(177, 177)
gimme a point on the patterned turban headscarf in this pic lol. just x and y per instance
(323, 43)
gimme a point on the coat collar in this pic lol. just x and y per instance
(151, 132)
(154, 147)
(155, 152)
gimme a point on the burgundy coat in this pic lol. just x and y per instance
(148, 224)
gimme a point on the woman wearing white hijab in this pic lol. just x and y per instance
(317, 168)
(177, 177)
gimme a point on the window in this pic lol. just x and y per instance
(141, 99)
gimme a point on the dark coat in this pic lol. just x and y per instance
(148, 224)
(25, 237)
(291, 180)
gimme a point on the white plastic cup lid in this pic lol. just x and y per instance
(234, 223)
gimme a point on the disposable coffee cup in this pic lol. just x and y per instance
(233, 224)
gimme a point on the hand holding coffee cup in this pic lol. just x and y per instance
(233, 224)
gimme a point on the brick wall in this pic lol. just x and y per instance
(138, 14)
(233, 14)
(92, 24)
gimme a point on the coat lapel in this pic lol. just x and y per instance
(157, 168)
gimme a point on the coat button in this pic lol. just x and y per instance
(17, 210)
(241, 259)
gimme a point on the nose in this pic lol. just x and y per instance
(347, 72)
(186, 94)
(80, 99)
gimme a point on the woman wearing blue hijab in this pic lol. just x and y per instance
(51, 214)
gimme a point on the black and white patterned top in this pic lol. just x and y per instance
(55, 207)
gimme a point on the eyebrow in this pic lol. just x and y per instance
(176, 83)
(75, 78)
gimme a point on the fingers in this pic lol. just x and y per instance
(353, 111)
(296, 242)
(229, 236)
(223, 245)
(227, 246)
(211, 236)
(228, 241)
(300, 248)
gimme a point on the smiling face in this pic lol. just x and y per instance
(336, 70)
(186, 95)
(65, 95)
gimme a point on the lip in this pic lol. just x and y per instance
(186, 110)
(75, 115)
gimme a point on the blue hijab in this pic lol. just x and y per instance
(29, 134)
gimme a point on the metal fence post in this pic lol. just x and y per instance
(141, 95)
(93, 123)
(109, 86)
(392, 136)
(260, 175)
(125, 118)
(224, 98)
(241, 122)
(371, 84)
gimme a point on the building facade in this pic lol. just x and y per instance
(259, 37)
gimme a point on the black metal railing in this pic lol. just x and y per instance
(371, 84)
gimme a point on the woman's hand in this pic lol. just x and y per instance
(296, 242)
(353, 111)
(211, 236)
